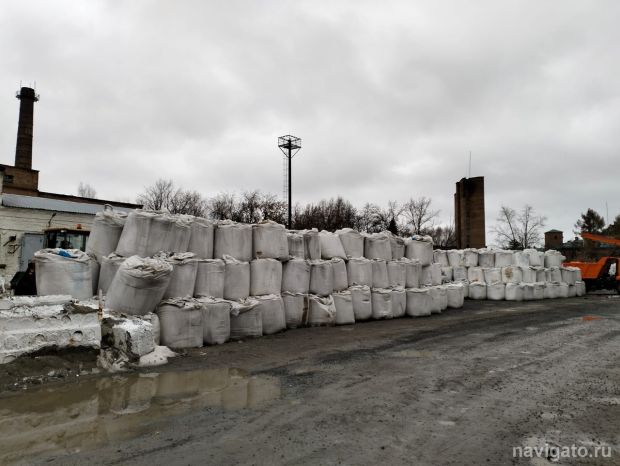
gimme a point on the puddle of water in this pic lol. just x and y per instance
(94, 413)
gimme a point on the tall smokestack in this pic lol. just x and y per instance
(23, 150)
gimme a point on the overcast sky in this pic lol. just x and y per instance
(388, 97)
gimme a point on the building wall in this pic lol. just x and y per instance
(554, 239)
(15, 221)
(19, 180)
(469, 213)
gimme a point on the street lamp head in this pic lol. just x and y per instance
(289, 145)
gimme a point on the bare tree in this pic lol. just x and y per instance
(188, 202)
(531, 225)
(339, 213)
(506, 230)
(518, 230)
(249, 207)
(444, 236)
(392, 215)
(330, 215)
(222, 206)
(371, 219)
(274, 208)
(157, 196)
(86, 190)
(419, 215)
(164, 195)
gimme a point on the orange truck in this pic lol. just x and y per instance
(603, 274)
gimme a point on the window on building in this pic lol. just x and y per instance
(8, 179)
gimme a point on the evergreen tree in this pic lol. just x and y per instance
(590, 222)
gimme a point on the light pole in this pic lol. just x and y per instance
(289, 145)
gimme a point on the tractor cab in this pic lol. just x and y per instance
(66, 238)
(24, 281)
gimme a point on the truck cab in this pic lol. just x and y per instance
(599, 275)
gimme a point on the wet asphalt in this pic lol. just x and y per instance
(468, 386)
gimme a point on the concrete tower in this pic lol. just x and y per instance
(469, 213)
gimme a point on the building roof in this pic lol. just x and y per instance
(553, 231)
(89, 200)
(43, 203)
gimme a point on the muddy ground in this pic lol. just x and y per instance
(463, 387)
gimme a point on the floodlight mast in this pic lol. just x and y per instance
(289, 145)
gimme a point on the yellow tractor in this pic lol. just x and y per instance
(24, 281)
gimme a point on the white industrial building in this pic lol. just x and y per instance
(24, 220)
(27, 214)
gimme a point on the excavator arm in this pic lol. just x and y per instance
(601, 238)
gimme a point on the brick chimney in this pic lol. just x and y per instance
(23, 150)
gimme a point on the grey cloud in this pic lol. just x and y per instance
(389, 98)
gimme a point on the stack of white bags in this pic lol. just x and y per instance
(209, 282)
(510, 275)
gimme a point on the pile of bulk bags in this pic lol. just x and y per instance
(211, 282)
(269, 241)
(236, 278)
(108, 269)
(378, 247)
(215, 320)
(273, 316)
(295, 245)
(321, 311)
(66, 272)
(312, 244)
(183, 276)
(331, 246)
(139, 285)
(245, 319)
(210, 276)
(343, 303)
(148, 232)
(512, 275)
(233, 239)
(201, 237)
(265, 277)
(420, 248)
(105, 232)
(190, 322)
(352, 242)
(180, 321)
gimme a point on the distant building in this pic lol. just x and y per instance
(469, 213)
(554, 239)
(577, 249)
(589, 251)
(25, 212)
